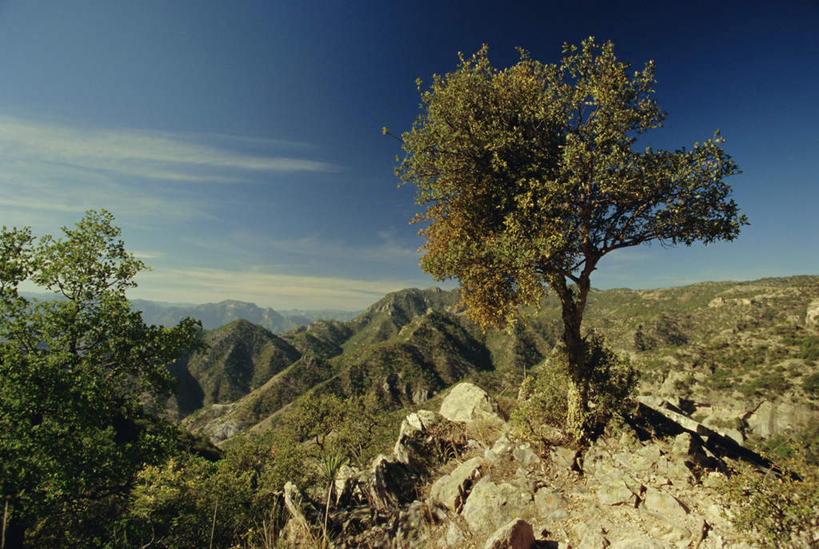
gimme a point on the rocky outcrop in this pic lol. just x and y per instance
(774, 419)
(467, 403)
(504, 494)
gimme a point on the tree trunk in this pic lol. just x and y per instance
(577, 393)
(577, 416)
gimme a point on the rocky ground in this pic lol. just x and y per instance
(458, 478)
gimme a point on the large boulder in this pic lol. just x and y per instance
(467, 403)
(490, 506)
(773, 419)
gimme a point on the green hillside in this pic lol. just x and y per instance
(717, 340)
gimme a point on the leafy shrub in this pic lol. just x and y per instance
(768, 383)
(811, 384)
(190, 502)
(809, 350)
(543, 405)
(779, 510)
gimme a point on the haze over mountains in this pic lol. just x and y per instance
(214, 315)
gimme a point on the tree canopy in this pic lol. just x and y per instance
(529, 175)
(78, 374)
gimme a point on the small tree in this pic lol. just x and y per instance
(77, 375)
(529, 178)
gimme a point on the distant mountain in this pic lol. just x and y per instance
(406, 347)
(238, 358)
(215, 315)
(752, 338)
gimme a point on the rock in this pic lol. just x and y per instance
(489, 506)
(550, 505)
(638, 543)
(591, 535)
(615, 493)
(454, 535)
(812, 313)
(683, 445)
(467, 402)
(390, 483)
(565, 457)
(671, 382)
(452, 490)
(517, 534)
(345, 483)
(526, 457)
(414, 426)
(772, 419)
(664, 505)
(293, 503)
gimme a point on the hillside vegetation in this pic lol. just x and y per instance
(734, 343)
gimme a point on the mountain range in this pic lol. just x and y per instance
(215, 315)
(736, 343)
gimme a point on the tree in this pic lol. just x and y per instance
(529, 176)
(78, 376)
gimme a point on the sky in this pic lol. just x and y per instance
(238, 144)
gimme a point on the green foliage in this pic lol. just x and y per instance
(189, 502)
(528, 177)
(776, 508)
(809, 349)
(543, 405)
(529, 172)
(76, 377)
(811, 384)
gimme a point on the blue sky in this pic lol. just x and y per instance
(238, 143)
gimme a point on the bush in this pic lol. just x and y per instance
(542, 400)
(809, 350)
(811, 385)
(778, 509)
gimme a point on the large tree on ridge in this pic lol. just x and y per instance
(529, 176)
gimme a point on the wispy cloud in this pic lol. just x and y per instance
(151, 155)
(268, 289)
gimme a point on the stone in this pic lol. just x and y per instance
(550, 505)
(345, 483)
(664, 505)
(638, 543)
(489, 505)
(615, 493)
(772, 419)
(526, 457)
(591, 535)
(467, 402)
(502, 449)
(390, 483)
(812, 313)
(454, 535)
(516, 534)
(413, 425)
(565, 457)
(452, 490)
(683, 445)
(293, 501)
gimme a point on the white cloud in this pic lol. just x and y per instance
(267, 289)
(152, 155)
